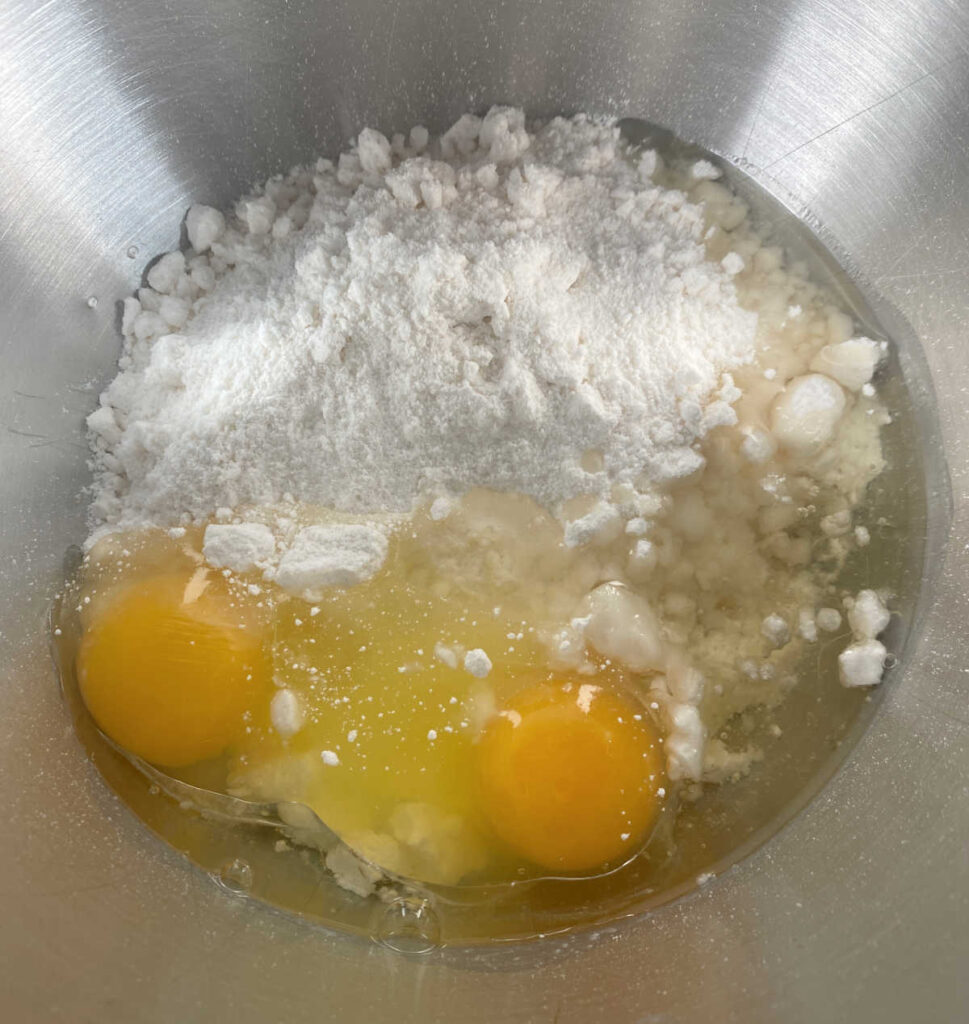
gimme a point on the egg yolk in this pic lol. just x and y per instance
(168, 667)
(568, 777)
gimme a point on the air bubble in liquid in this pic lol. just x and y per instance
(235, 876)
(131, 252)
(408, 925)
(92, 302)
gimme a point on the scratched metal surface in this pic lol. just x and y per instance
(114, 114)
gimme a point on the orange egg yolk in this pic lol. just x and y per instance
(569, 776)
(168, 668)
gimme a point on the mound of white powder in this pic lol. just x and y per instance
(425, 316)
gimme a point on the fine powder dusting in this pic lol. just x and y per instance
(425, 316)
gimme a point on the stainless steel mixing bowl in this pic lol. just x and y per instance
(114, 115)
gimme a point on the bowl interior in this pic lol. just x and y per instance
(116, 117)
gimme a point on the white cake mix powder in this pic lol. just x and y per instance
(589, 374)
(478, 310)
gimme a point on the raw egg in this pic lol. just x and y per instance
(421, 722)
(168, 667)
(570, 776)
